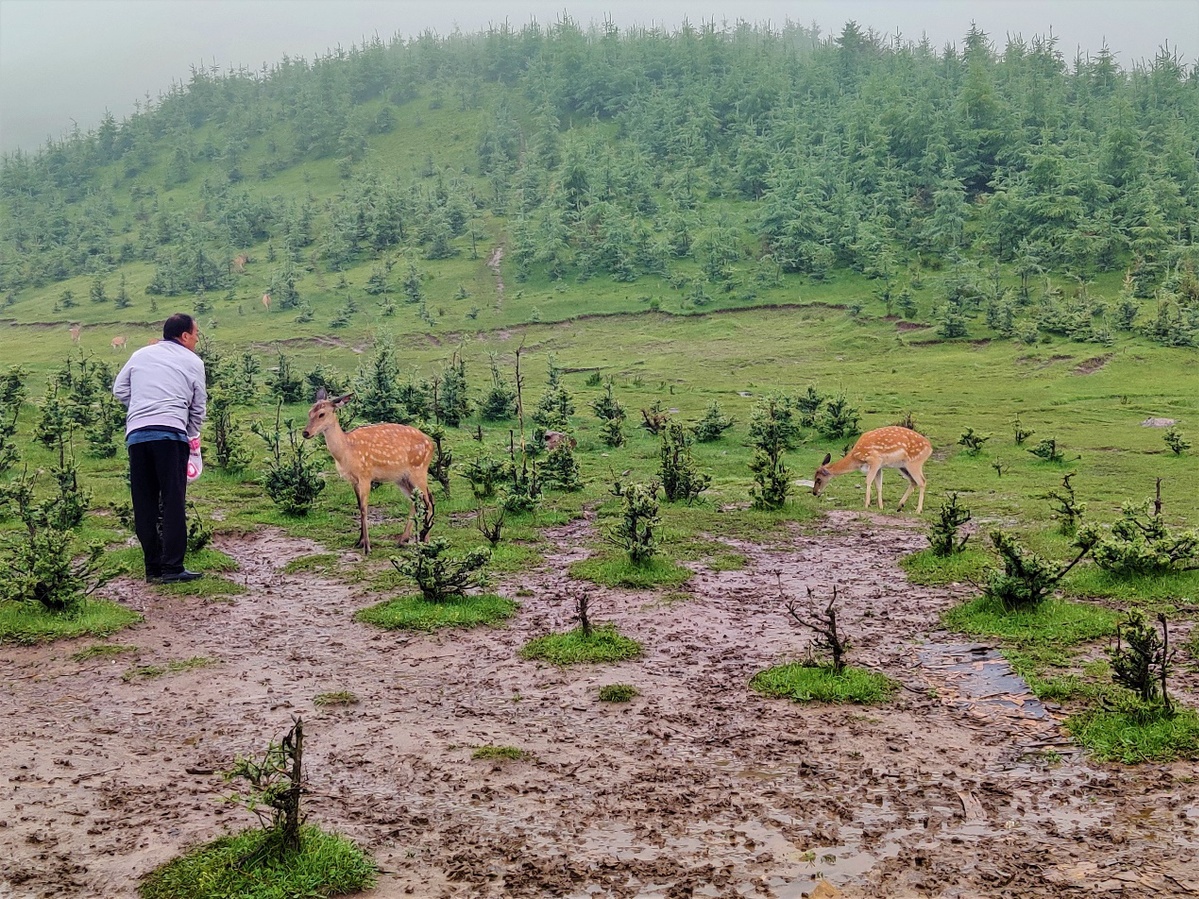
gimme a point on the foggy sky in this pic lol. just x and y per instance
(67, 61)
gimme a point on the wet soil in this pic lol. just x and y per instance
(963, 786)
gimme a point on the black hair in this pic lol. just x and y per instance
(177, 325)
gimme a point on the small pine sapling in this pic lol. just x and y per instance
(634, 531)
(1141, 659)
(490, 528)
(440, 575)
(972, 442)
(612, 432)
(606, 407)
(292, 478)
(484, 473)
(1140, 542)
(713, 425)
(199, 529)
(839, 419)
(771, 431)
(1177, 443)
(276, 784)
(681, 479)
(809, 404)
(1047, 449)
(560, 470)
(1020, 433)
(1066, 507)
(943, 535)
(1027, 578)
(443, 458)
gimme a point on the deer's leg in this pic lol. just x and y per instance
(871, 473)
(918, 477)
(878, 487)
(911, 483)
(362, 489)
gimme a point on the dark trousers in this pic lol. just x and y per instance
(158, 483)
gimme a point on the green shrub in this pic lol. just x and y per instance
(439, 574)
(1140, 542)
(713, 425)
(681, 479)
(634, 530)
(292, 479)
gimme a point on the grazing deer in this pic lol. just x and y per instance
(374, 454)
(118, 343)
(239, 262)
(555, 439)
(892, 447)
(266, 302)
(76, 330)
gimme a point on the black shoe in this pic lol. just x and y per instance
(180, 577)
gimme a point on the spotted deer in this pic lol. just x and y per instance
(374, 454)
(266, 302)
(76, 330)
(118, 343)
(892, 447)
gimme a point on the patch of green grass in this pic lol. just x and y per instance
(929, 570)
(418, 614)
(511, 753)
(149, 672)
(1136, 734)
(1055, 622)
(320, 563)
(618, 692)
(807, 683)
(102, 650)
(1152, 591)
(337, 697)
(618, 571)
(22, 622)
(603, 644)
(326, 865)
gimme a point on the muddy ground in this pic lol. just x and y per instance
(698, 787)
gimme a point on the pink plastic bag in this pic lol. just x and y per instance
(195, 464)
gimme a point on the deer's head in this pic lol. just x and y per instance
(323, 414)
(823, 475)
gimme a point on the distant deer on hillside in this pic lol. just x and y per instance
(76, 330)
(118, 343)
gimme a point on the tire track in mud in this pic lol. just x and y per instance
(697, 786)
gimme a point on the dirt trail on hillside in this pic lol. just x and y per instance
(698, 787)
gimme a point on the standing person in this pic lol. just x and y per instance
(163, 387)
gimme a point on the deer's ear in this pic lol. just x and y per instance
(828, 457)
(321, 394)
(342, 400)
